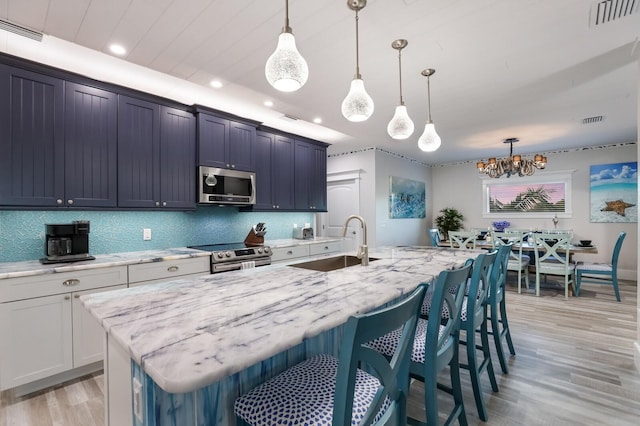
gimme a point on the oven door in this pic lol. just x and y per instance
(235, 265)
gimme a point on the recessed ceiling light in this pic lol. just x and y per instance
(117, 49)
(317, 120)
(268, 103)
(216, 83)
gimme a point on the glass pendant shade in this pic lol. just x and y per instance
(429, 141)
(286, 70)
(400, 126)
(358, 105)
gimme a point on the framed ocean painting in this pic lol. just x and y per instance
(406, 198)
(614, 192)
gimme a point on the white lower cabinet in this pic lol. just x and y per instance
(320, 249)
(300, 251)
(44, 330)
(156, 272)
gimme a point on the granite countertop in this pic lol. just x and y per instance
(34, 267)
(189, 333)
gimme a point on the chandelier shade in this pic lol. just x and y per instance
(430, 140)
(286, 70)
(401, 126)
(513, 165)
(358, 105)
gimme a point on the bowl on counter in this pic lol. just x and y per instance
(585, 243)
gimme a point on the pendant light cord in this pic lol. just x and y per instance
(286, 28)
(357, 50)
(429, 97)
(400, 71)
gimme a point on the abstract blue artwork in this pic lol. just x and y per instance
(614, 192)
(406, 198)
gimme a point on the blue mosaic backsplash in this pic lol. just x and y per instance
(22, 232)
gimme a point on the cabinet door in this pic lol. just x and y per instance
(138, 153)
(318, 178)
(240, 146)
(213, 134)
(177, 159)
(91, 146)
(36, 339)
(302, 174)
(88, 334)
(31, 139)
(263, 151)
(282, 164)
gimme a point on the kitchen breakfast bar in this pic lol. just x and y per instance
(179, 353)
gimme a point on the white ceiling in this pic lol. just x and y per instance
(531, 69)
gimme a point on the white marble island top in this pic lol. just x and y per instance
(187, 334)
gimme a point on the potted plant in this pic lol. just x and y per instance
(450, 219)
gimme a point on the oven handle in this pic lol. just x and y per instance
(232, 266)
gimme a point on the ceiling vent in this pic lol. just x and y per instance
(604, 11)
(292, 118)
(17, 29)
(594, 119)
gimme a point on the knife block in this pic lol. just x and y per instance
(253, 239)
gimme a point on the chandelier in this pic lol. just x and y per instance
(513, 165)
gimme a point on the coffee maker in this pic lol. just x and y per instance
(67, 242)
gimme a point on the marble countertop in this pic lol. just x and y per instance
(34, 267)
(189, 333)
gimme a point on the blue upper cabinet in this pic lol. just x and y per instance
(177, 158)
(91, 146)
(225, 143)
(274, 172)
(60, 140)
(156, 156)
(310, 181)
(31, 139)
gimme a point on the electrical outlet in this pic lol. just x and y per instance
(137, 400)
(146, 234)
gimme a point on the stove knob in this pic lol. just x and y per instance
(228, 254)
(220, 255)
(260, 250)
(266, 250)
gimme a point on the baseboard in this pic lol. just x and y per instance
(628, 274)
(56, 379)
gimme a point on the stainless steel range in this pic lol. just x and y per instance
(232, 256)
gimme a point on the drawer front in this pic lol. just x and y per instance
(165, 279)
(57, 283)
(168, 269)
(286, 253)
(325, 248)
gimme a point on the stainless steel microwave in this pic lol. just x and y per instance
(223, 186)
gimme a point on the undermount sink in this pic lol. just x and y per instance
(331, 263)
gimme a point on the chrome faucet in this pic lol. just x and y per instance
(363, 250)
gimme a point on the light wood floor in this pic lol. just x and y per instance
(574, 366)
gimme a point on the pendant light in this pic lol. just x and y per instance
(429, 141)
(286, 70)
(400, 126)
(358, 105)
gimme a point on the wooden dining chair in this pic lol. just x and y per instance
(360, 387)
(463, 239)
(436, 345)
(552, 254)
(605, 273)
(518, 261)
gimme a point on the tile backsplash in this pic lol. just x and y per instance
(22, 232)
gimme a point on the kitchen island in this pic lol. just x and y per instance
(188, 347)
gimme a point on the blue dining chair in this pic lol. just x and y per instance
(436, 345)
(361, 387)
(497, 303)
(607, 272)
(435, 236)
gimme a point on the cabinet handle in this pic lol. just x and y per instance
(77, 296)
(172, 268)
(59, 201)
(69, 202)
(157, 203)
(233, 166)
(67, 298)
(228, 165)
(72, 281)
(289, 252)
(164, 204)
(326, 248)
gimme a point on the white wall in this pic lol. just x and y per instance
(460, 186)
(376, 167)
